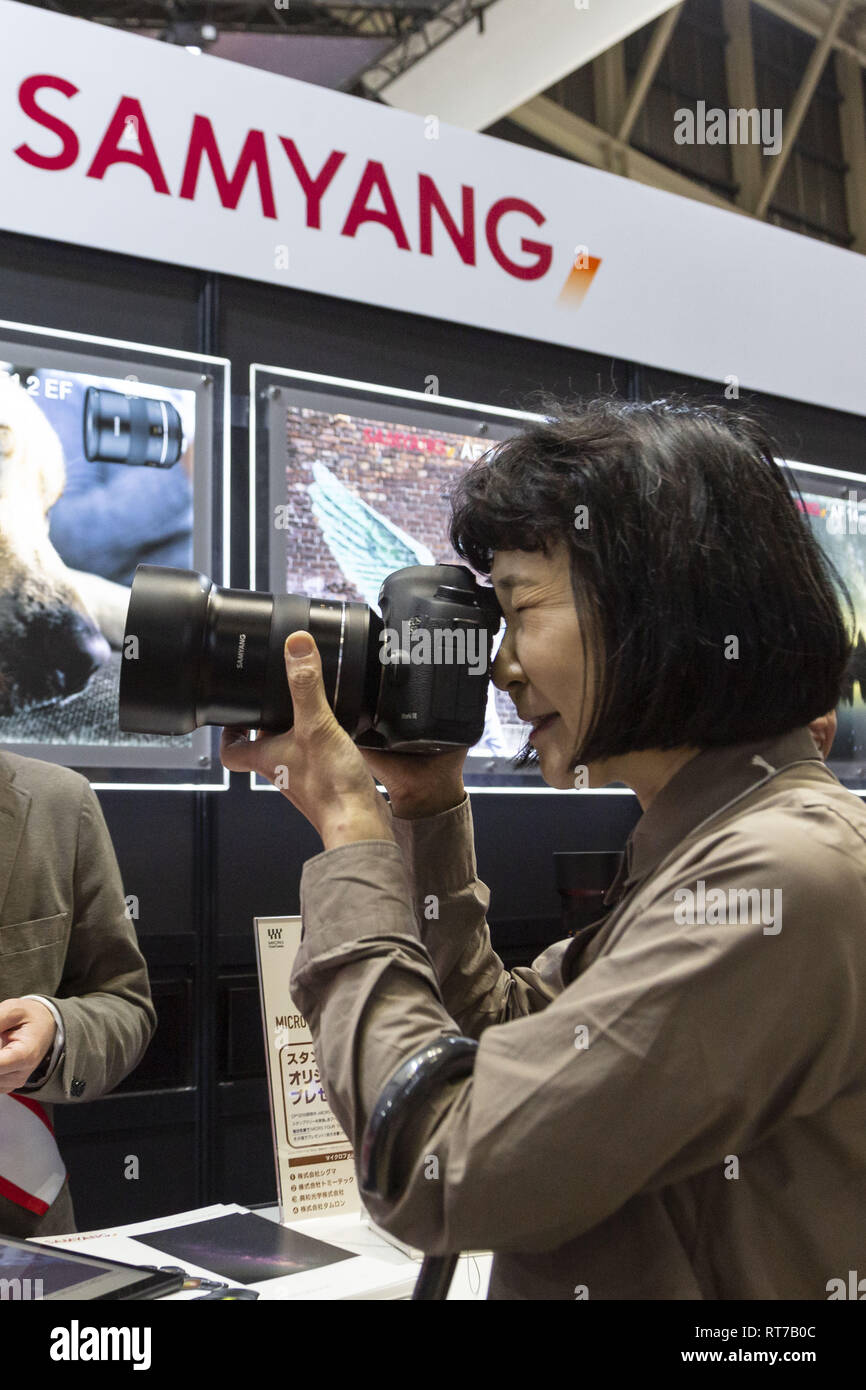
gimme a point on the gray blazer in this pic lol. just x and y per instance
(64, 930)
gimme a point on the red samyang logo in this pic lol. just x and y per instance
(113, 148)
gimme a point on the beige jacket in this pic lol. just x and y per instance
(671, 1105)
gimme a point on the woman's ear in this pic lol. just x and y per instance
(823, 731)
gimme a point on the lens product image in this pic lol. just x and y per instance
(414, 679)
(131, 429)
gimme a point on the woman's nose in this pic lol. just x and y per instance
(505, 670)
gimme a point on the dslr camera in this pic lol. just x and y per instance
(413, 680)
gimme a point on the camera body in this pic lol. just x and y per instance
(414, 680)
(436, 639)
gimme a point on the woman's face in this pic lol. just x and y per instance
(540, 662)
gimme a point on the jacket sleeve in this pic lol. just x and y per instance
(450, 905)
(104, 996)
(678, 1047)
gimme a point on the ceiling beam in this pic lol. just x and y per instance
(852, 124)
(746, 164)
(656, 49)
(610, 87)
(478, 75)
(811, 17)
(800, 105)
(582, 140)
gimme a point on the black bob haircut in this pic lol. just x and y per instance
(690, 537)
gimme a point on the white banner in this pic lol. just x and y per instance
(131, 145)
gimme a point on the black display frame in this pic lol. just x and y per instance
(191, 762)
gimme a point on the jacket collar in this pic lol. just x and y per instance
(705, 785)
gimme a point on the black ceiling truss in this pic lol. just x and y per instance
(181, 21)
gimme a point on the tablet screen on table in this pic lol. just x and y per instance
(30, 1271)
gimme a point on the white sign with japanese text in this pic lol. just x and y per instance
(314, 1157)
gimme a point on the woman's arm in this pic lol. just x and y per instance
(450, 904)
(678, 1048)
(443, 904)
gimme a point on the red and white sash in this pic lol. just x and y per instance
(31, 1169)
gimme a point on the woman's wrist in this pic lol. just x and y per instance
(434, 804)
(354, 821)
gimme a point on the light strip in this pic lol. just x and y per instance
(111, 342)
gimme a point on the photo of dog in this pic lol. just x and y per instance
(57, 625)
(76, 517)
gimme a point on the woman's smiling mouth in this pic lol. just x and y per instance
(540, 725)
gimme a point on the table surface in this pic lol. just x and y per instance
(389, 1271)
(471, 1277)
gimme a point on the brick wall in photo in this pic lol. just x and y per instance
(407, 484)
(404, 472)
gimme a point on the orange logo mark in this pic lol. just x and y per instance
(580, 278)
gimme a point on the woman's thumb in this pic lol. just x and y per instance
(304, 671)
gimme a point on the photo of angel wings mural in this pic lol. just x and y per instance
(362, 498)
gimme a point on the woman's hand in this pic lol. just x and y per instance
(419, 784)
(315, 764)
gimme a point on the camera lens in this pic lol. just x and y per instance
(130, 429)
(194, 654)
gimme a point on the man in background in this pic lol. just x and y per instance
(76, 1013)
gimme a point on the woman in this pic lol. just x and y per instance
(673, 1103)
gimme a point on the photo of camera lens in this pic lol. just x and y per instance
(137, 430)
(196, 654)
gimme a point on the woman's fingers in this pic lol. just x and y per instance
(314, 763)
(237, 751)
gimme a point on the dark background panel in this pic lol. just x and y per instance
(152, 833)
(318, 333)
(130, 1157)
(803, 433)
(53, 285)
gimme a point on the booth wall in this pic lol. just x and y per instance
(203, 865)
